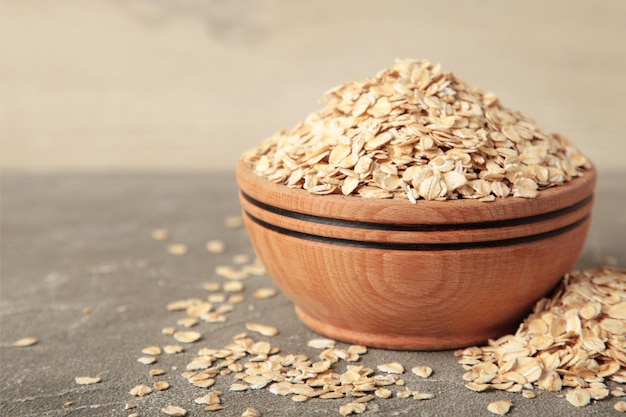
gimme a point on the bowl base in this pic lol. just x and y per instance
(395, 342)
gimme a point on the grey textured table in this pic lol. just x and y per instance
(81, 273)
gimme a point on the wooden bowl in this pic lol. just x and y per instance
(425, 276)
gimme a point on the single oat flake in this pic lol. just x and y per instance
(263, 293)
(391, 368)
(422, 371)
(160, 234)
(87, 380)
(262, 329)
(415, 131)
(174, 410)
(25, 342)
(500, 407)
(321, 343)
(251, 412)
(177, 249)
(216, 246)
(152, 350)
(620, 406)
(140, 390)
(161, 385)
(187, 336)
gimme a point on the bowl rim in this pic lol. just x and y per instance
(394, 211)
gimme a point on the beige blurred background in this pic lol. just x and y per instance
(179, 85)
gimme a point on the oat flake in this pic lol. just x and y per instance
(87, 380)
(25, 342)
(174, 410)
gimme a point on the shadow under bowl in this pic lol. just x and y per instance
(426, 276)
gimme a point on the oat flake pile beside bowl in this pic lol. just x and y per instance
(415, 131)
(327, 206)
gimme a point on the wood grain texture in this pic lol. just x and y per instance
(416, 299)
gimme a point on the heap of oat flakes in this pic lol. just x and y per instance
(575, 340)
(415, 131)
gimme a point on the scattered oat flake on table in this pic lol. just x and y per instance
(187, 322)
(183, 304)
(160, 234)
(262, 329)
(174, 410)
(357, 349)
(233, 286)
(236, 299)
(422, 371)
(199, 309)
(233, 222)
(241, 259)
(251, 412)
(140, 390)
(156, 372)
(383, 393)
(229, 272)
(168, 330)
(87, 380)
(618, 392)
(352, 408)
(216, 298)
(620, 406)
(578, 396)
(404, 393)
(177, 249)
(216, 246)
(213, 318)
(173, 349)
(187, 336)
(212, 397)
(263, 293)
(224, 308)
(500, 407)
(255, 268)
(391, 368)
(25, 342)
(212, 286)
(420, 396)
(129, 406)
(152, 350)
(161, 385)
(214, 407)
(321, 343)
(147, 360)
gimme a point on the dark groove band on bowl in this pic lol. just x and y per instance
(417, 246)
(417, 227)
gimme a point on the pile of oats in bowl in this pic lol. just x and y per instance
(415, 131)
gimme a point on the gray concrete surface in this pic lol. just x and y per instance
(70, 242)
